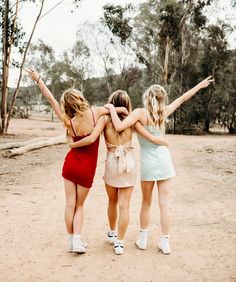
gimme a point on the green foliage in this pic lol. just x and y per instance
(172, 44)
(117, 20)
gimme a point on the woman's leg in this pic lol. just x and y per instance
(164, 187)
(70, 193)
(147, 188)
(81, 196)
(124, 200)
(112, 194)
(123, 221)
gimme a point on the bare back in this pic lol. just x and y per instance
(83, 125)
(114, 137)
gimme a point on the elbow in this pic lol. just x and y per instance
(119, 128)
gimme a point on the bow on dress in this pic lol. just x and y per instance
(123, 163)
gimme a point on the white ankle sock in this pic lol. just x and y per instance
(119, 242)
(165, 236)
(112, 232)
(143, 235)
(76, 236)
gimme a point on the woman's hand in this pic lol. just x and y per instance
(33, 74)
(206, 82)
(72, 144)
(160, 141)
(119, 110)
(109, 106)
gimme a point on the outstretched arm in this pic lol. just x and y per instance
(46, 92)
(93, 136)
(179, 101)
(147, 135)
(129, 121)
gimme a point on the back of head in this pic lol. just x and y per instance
(120, 98)
(154, 100)
(73, 103)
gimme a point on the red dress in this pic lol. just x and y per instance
(80, 163)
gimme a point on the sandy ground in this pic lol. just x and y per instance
(33, 242)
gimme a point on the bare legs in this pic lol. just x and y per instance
(121, 196)
(75, 197)
(147, 188)
(164, 187)
(112, 213)
(123, 221)
(70, 193)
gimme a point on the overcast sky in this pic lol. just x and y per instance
(58, 28)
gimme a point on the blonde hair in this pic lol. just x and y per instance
(73, 103)
(120, 98)
(154, 100)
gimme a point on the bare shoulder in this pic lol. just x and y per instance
(138, 112)
(67, 123)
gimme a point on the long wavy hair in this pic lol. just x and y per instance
(73, 103)
(154, 100)
(120, 98)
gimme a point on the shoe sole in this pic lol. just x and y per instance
(118, 254)
(143, 249)
(79, 251)
(161, 251)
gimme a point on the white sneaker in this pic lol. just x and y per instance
(164, 246)
(111, 236)
(142, 245)
(70, 243)
(79, 246)
(118, 248)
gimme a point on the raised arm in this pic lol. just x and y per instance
(46, 92)
(129, 121)
(187, 95)
(94, 134)
(147, 135)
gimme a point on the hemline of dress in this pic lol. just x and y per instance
(158, 179)
(78, 183)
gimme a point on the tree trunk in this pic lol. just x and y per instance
(21, 68)
(166, 61)
(5, 66)
(207, 123)
(21, 144)
(33, 146)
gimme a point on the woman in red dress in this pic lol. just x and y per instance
(80, 163)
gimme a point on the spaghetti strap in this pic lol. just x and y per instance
(93, 117)
(71, 124)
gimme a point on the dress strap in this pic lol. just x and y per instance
(71, 124)
(93, 117)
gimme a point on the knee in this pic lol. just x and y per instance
(146, 203)
(70, 203)
(113, 202)
(164, 204)
(123, 207)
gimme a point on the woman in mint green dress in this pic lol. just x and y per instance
(156, 163)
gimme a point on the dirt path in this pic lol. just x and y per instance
(33, 243)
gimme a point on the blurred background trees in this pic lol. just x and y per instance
(168, 42)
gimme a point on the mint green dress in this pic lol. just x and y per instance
(156, 162)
